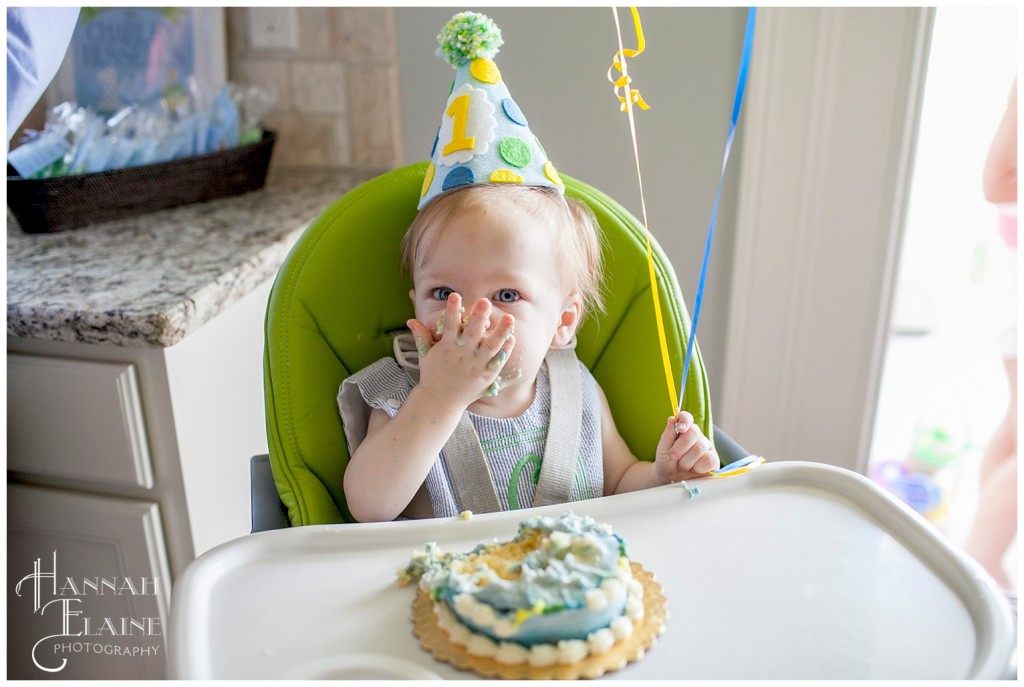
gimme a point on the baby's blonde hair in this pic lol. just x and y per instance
(578, 239)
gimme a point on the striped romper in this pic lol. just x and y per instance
(512, 447)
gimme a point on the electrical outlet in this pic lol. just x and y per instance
(273, 28)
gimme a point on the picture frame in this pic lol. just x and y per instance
(120, 56)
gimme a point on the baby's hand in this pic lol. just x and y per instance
(684, 452)
(460, 360)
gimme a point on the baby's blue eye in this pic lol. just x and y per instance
(506, 296)
(442, 293)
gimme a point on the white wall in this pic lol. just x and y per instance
(829, 147)
(555, 61)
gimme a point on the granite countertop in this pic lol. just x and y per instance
(151, 280)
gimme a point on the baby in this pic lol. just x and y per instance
(525, 262)
(492, 410)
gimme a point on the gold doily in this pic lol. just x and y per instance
(632, 648)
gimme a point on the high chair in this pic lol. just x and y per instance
(340, 296)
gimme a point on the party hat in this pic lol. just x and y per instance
(484, 138)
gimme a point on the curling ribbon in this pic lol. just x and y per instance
(633, 96)
(741, 82)
(619, 62)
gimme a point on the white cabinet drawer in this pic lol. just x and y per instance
(91, 558)
(76, 419)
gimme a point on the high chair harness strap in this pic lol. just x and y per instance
(471, 478)
(562, 446)
(470, 475)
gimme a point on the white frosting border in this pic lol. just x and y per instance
(566, 651)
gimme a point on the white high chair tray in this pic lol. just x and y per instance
(792, 570)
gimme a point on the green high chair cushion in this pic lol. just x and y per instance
(341, 293)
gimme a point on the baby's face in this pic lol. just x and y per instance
(509, 257)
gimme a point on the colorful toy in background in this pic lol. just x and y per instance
(918, 490)
(934, 448)
(918, 480)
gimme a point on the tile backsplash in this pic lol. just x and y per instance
(337, 92)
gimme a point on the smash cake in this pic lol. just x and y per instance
(559, 599)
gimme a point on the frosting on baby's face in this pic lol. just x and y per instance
(509, 257)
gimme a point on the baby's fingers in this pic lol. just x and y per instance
(475, 326)
(683, 422)
(498, 360)
(422, 335)
(450, 324)
(682, 447)
(698, 458)
(497, 338)
(668, 438)
(707, 462)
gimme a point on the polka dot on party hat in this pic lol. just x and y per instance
(484, 137)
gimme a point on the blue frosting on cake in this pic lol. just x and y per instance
(558, 578)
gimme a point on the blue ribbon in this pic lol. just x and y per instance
(741, 83)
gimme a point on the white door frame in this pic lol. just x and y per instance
(830, 129)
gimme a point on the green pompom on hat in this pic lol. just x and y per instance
(467, 36)
(484, 138)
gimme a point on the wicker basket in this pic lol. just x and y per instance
(60, 203)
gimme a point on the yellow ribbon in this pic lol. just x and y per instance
(627, 101)
(630, 95)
